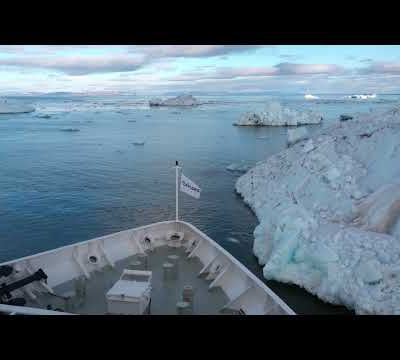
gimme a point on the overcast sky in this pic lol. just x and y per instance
(186, 68)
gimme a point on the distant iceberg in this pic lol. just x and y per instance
(277, 115)
(182, 100)
(329, 213)
(14, 108)
(310, 97)
(362, 96)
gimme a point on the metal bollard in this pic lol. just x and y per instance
(183, 308)
(169, 271)
(188, 295)
(174, 259)
(136, 265)
(143, 258)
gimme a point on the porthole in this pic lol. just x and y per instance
(93, 259)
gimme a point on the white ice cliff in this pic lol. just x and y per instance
(329, 211)
(277, 115)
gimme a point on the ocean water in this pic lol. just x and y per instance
(59, 186)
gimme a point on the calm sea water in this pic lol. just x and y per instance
(58, 187)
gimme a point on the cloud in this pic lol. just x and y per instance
(289, 56)
(307, 69)
(366, 60)
(382, 68)
(48, 57)
(79, 65)
(225, 73)
(282, 69)
(193, 50)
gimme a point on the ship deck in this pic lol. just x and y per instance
(164, 294)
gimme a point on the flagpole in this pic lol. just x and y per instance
(176, 190)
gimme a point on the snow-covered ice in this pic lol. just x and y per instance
(277, 115)
(308, 146)
(329, 213)
(238, 167)
(14, 108)
(297, 134)
(249, 119)
(182, 100)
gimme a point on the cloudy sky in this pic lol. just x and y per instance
(184, 68)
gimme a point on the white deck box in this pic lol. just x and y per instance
(131, 294)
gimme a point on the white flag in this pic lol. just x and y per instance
(189, 187)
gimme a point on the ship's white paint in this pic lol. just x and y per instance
(245, 291)
(22, 310)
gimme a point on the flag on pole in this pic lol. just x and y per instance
(189, 187)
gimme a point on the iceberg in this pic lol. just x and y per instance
(297, 134)
(249, 119)
(362, 96)
(329, 217)
(14, 108)
(380, 210)
(310, 97)
(277, 115)
(182, 100)
(344, 117)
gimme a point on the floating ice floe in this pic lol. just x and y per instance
(182, 100)
(238, 167)
(277, 115)
(14, 108)
(43, 116)
(329, 218)
(233, 240)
